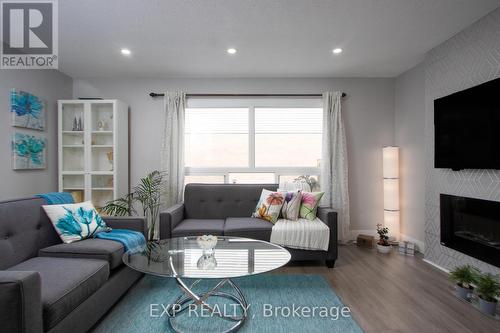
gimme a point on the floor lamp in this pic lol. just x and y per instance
(391, 190)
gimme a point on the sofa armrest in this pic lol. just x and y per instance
(329, 217)
(20, 301)
(128, 222)
(169, 219)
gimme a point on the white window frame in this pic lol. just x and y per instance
(251, 104)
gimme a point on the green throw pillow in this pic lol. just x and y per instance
(309, 204)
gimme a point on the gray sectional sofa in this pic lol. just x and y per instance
(48, 286)
(225, 209)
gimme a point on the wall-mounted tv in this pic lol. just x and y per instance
(467, 128)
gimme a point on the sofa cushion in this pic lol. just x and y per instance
(66, 283)
(102, 249)
(220, 201)
(198, 227)
(248, 227)
(24, 229)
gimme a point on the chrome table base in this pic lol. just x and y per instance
(189, 298)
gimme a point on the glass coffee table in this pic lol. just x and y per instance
(198, 258)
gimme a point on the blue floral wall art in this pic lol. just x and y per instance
(27, 110)
(28, 151)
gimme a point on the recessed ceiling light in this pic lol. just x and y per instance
(231, 50)
(125, 52)
(338, 50)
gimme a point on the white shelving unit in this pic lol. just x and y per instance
(93, 160)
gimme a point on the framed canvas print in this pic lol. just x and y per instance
(28, 110)
(28, 151)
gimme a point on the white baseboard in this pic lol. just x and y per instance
(437, 266)
(373, 232)
(420, 245)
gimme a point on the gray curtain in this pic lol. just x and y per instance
(334, 172)
(172, 153)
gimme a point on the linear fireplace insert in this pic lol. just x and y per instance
(471, 226)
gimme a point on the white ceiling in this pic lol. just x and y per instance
(274, 38)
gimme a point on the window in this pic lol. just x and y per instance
(216, 137)
(252, 140)
(288, 136)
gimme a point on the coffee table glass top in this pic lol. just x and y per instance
(184, 257)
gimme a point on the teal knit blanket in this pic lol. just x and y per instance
(57, 198)
(129, 238)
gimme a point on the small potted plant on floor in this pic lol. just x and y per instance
(488, 288)
(464, 276)
(383, 245)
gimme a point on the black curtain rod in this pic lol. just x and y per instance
(245, 95)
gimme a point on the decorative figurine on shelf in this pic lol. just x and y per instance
(80, 125)
(109, 154)
(75, 124)
(102, 125)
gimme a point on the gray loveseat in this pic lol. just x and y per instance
(225, 209)
(48, 286)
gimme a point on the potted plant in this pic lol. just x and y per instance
(464, 276)
(488, 288)
(147, 194)
(383, 245)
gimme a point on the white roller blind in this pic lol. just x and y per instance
(216, 120)
(288, 120)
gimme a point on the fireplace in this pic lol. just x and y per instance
(471, 226)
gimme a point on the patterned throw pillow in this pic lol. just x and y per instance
(291, 205)
(269, 206)
(310, 202)
(74, 222)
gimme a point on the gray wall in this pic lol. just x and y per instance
(368, 111)
(468, 59)
(409, 104)
(51, 85)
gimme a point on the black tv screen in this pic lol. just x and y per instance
(467, 128)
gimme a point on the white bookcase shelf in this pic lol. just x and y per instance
(93, 149)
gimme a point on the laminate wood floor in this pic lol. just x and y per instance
(396, 293)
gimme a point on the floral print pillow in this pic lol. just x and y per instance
(291, 205)
(309, 206)
(269, 206)
(74, 222)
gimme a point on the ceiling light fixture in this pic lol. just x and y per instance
(125, 52)
(231, 50)
(338, 50)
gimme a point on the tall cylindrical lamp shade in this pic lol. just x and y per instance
(390, 162)
(391, 190)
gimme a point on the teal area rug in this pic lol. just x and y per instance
(278, 303)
